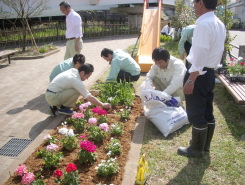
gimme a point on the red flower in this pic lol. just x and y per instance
(71, 167)
(242, 63)
(99, 111)
(58, 173)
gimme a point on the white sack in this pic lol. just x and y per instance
(162, 110)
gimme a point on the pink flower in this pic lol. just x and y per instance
(21, 170)
(88, 146)
(52, 147)
(232, 64)
(99, 111)
(58, 173)
(47, 137)
(71, 167)
(104, 126)
(231, 59)
(78, 115)
(92, 120)
(84, 106)
(83, 136)
(27, 178)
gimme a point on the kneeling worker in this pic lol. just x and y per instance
(123, 66)
(66, 87)
(167, 73)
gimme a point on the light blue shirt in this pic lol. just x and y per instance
(61, 67)
(121, 60)
(186, 35)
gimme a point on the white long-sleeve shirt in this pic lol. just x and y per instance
(73, 25)
(172, 77)
(207, 43)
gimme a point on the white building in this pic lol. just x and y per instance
(132, 8)
(237, 7)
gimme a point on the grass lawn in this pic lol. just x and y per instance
(224, 165)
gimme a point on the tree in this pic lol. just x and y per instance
(23, 9)
(184, 14)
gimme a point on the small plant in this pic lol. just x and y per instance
(27, 177)
(236, 67)
(45, 48)
(86, 155)
(113, 148)
(69, 142)
(124, 113)
(96, 133)
(117, 129)
(165, 38)
(79, 124)
(70, 176)
(51, 159)
(50, 139)
(107, 167)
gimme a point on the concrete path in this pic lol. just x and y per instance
(23, 111)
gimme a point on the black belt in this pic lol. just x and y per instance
(51, 91)
(71, 38)
(207, 69)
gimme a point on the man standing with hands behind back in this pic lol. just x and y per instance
(205, 54)
(74, 34)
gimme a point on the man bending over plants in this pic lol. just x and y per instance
(167, 73)
(77, 61)
(123, 66)
(64, 90)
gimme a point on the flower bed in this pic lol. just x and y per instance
(91, 154)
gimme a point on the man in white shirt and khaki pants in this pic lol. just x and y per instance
(74, 34)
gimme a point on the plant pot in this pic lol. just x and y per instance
(236, 78)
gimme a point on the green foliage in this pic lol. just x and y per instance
(107, 168)
(69, 142)
(79, 124)
(47, 47)
(52, 159)
(102, 119)
(117, 129)
(117, 93)
(124, 113)
(113, 148)
(37, 182)
(165, 38)
(85, 157)
(96, 133)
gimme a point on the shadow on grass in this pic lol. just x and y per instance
(233, 114)
(192, 173)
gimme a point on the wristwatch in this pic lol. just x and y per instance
(190, 82)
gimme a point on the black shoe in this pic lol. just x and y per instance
(52, 110)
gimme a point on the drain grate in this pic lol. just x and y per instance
(14, 147)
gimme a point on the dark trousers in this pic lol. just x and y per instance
(125, 76)
(199, 105)
(187, 47)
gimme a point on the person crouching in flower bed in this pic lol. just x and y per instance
(123, 66)
(65, 88)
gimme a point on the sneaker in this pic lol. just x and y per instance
(52, 110)
(66, 111)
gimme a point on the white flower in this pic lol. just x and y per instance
(63, 131)
(96, 168)
(115, 111)
(121, 110)
(240, 58)
(70, 133)
(110, 99)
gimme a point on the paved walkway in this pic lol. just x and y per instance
(23, 111)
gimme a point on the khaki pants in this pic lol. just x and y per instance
(70, 48)
(66, 98)
(160, 86)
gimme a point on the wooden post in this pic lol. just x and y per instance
(241, 52)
